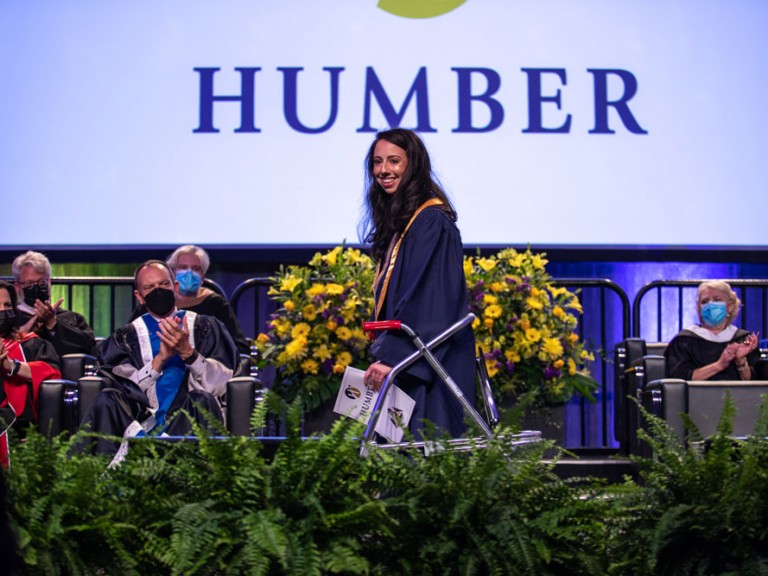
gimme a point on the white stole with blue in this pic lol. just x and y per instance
(167, 385)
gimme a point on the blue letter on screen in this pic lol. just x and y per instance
(602, 102)
(536, 99)
(290, 99)
(393, 119)
(493, 82)
(246, 99)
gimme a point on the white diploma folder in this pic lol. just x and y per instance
(356, 400)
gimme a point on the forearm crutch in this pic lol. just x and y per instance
(424, 350)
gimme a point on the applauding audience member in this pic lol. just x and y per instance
(165, 361)
(190, 265)
(714, 349)
(25, 361)
(67, 331)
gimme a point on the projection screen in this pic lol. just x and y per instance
(246, 122)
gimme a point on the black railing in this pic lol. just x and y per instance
(664, 307)
(106, 302)
(605, 321)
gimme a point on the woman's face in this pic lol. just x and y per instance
(5, 300)
(189, 262)
(389, 165)
(712, 295)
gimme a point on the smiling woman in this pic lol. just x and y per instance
(411, 226)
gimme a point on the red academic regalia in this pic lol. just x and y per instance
(19, 397)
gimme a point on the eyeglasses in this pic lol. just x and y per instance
(32, 283)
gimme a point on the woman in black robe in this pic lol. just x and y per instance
(411, 227)
(714, 349)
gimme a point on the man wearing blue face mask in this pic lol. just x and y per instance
(714, 349)
(190, 265)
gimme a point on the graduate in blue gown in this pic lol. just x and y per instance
(411, 227)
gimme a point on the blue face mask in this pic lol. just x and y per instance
(713, 313)
(189, 282)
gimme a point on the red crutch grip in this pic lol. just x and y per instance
(381, 325)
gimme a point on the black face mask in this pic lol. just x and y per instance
(35, 293)
(160, 301)
(7, 322)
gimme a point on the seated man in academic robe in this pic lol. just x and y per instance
(68, 331)
(164, 361)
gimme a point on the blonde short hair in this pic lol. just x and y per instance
(724, 288)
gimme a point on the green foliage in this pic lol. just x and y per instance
(707, 504)
(219, 506)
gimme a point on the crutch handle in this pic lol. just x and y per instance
(381, 325)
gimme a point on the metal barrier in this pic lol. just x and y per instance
(664, 307)
(605, 321)
(253, 312)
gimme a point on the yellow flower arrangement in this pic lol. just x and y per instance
(316, 331)
(525, 328)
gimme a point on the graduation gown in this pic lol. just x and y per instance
(72, 334)
(132, 393)
(688, 351)
(427, 291)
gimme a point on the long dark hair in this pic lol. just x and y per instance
(388, 214)
(14, 333)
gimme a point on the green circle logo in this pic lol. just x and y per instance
(419, 8)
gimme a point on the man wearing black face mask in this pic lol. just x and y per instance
(68, 331)
(164, 361)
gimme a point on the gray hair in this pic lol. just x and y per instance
(37, 260)
(205, 260)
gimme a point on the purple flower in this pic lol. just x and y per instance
(551, 372)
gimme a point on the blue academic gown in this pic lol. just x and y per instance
(428, 292)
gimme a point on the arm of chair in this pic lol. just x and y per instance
(55, 409)
(667, 398)
(88, 388)
(243, 393)
(75, 366)
(625, 354)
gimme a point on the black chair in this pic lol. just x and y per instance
(58, 399)
(54, 411)
(75, 366)
(646, 369)
(668, 398)
(243, 394)
(625, 353)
